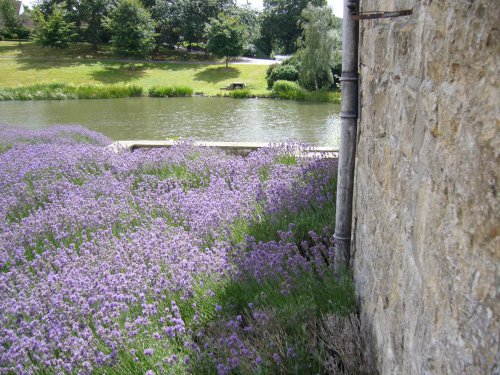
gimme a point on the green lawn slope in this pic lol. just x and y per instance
(79, 65)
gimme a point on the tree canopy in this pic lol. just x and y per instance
(225, 36)
(280, 24)
(12, 23)
(53, 30)
(93, 14)
(132, 28)
(320, 47)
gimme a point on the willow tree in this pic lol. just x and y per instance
(320, 47)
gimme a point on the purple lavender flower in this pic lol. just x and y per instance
(276, 358)
(94, 244)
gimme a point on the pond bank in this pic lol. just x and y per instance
(62, 91)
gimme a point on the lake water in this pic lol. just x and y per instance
(203, 119)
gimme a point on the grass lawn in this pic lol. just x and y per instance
(79, 65)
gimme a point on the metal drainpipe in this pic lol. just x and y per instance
(348, 129)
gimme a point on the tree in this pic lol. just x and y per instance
(320, 48)
(280, 25)
(195, 14)
(226, 37)
(93, 13)
(168, 18)
(70, 7)
(132, 28)
(53, 30)
(250, 19)
(13, 25)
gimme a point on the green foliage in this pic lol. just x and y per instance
(225, 37)
(170, 91)
(320, 48)
(93, 13)
(249, 18)
(196, 14)
(241, 94)
(293, 91)
(12, 23)
(270, 69)
(282, 73)
(292, 321)
(53, 30)
(319, 219)
(288, 90)
(132, 28)
(61, 91)
(280, 24)
(324, 96)
(168, 17)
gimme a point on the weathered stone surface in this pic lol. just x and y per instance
(426, 225)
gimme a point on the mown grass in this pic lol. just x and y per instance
(85, 51)
(74, 67)
(79, 65)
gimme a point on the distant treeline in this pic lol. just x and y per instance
(165, 23)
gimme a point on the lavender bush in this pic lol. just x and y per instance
(181, 260)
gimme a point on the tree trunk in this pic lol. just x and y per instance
(227, 62)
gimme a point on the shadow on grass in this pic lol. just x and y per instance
(216, 74)
(119, 73)
(6, 49)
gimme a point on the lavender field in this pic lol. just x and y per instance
(166, 261)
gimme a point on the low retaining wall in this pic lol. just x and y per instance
(237, 148)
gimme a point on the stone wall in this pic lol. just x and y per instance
(426, 224)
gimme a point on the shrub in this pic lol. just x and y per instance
(288, 90)
(293, 61)
(270, 69)
(283, 73)
(170, 91)
(241, 94)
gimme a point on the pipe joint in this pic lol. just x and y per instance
(348, 77)
(341, 238)
(348, 115)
